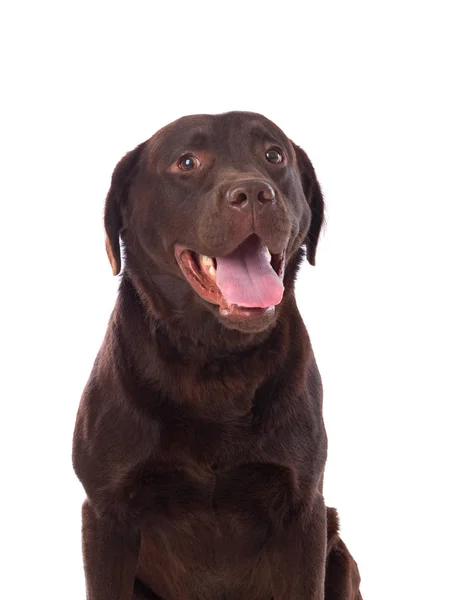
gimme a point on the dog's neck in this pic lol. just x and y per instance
(189, 331)
(208, 369)
(157, 358)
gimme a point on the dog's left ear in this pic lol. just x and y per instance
(315, 200)
(116, 198)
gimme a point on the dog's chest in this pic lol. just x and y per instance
(210, 502)
(210, 442)
(211, 525)
(215, 467)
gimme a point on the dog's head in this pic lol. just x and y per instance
(213, 211)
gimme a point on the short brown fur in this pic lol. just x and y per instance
(200, 441)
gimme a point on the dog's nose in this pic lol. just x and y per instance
(251, 192)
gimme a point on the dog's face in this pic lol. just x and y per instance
(220, 205)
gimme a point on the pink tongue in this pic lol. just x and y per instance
(245, 277)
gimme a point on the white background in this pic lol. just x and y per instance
(381, 97)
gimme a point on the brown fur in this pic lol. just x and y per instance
(200, 441)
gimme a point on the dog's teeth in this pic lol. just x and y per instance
(207, 264)
(207, 261)
(268, 254)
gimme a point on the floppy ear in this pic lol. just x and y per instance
(116, 197)
(315, 200)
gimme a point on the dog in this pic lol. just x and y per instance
(199, 438)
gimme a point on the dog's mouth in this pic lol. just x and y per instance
(246, 282)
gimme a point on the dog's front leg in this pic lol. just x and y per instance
(297, 554)
(110, 556)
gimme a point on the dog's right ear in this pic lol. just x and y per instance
(116, 198)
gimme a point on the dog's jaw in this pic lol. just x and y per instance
(244, 287)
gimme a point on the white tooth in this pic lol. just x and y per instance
(207, 262)
(268, 254)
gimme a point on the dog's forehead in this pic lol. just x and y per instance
(195, 131)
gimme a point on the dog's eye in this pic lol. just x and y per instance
(188, 162)
(274, 156)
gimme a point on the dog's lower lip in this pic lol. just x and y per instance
(234, 310)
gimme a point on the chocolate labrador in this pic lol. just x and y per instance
(199, 438)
